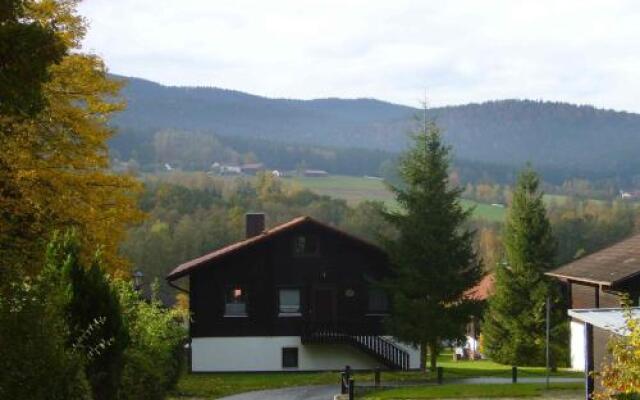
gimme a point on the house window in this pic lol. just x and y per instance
(378, 301)
(289, 301)
(289, 357)
(235, 302)
(305, 245)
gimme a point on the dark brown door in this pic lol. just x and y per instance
(324, 306)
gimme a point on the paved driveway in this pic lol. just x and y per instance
(321, 392)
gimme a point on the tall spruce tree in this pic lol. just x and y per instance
(432, 254)
(514, 327)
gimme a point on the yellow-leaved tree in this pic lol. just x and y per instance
(54, 163)
(620, 376)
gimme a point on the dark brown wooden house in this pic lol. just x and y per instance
(300, 296)
(598, 281)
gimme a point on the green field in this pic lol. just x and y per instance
(355, 189)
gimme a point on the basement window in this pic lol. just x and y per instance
(235, 302)
(289, 357)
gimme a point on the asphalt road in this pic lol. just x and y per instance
(321, 392)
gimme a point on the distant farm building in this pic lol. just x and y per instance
(252, 169)
(230, 170)
(315, 173)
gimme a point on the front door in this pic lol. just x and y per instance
(324, 305)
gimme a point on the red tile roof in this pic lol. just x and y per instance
(483, 290)
(187, 267)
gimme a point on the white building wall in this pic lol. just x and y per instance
(414, 352)
(577, 345)
(265, 354)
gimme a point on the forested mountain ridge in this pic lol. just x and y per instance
(509, 132)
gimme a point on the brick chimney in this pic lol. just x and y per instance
(254, 224)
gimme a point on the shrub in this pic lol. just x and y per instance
(93, 314)
(153, 359)
(620, 375)
(35, 358)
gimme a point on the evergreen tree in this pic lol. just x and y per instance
(94, 316)
(514, 327)
(432, 254)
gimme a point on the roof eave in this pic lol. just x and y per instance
(564, 277)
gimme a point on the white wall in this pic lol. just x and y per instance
(265, 354)
(577, 345)
(414, 352)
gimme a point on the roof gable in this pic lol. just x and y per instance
(609, 266)
(186, 268)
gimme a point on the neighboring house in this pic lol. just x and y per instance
(481, 292)
(606, 322)
(599, 281)
(300, 296)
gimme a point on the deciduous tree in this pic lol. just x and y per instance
(53, 164)
(620, 376)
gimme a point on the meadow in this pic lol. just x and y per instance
(355, 189)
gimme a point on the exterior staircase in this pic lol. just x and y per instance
(383, 350)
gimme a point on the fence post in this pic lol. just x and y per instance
(440, 371)
(352, 387)
(376, 377)
(514, 374)
(344, 379)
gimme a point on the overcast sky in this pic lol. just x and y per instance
(585, 52)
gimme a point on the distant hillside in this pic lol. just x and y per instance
(507, 132)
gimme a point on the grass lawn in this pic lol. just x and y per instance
(215, 385)
(560, 390)
(468, 369)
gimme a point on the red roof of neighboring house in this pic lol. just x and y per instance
(187, 267)
(483, 290)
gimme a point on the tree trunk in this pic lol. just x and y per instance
(433, 355)
(423, 357)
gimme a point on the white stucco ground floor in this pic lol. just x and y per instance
(281, 353)
(577, 345)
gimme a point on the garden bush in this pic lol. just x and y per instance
(154, 357)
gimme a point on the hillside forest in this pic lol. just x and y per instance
(190, 214)
(192, 127)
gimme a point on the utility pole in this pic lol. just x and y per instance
(548, 327)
